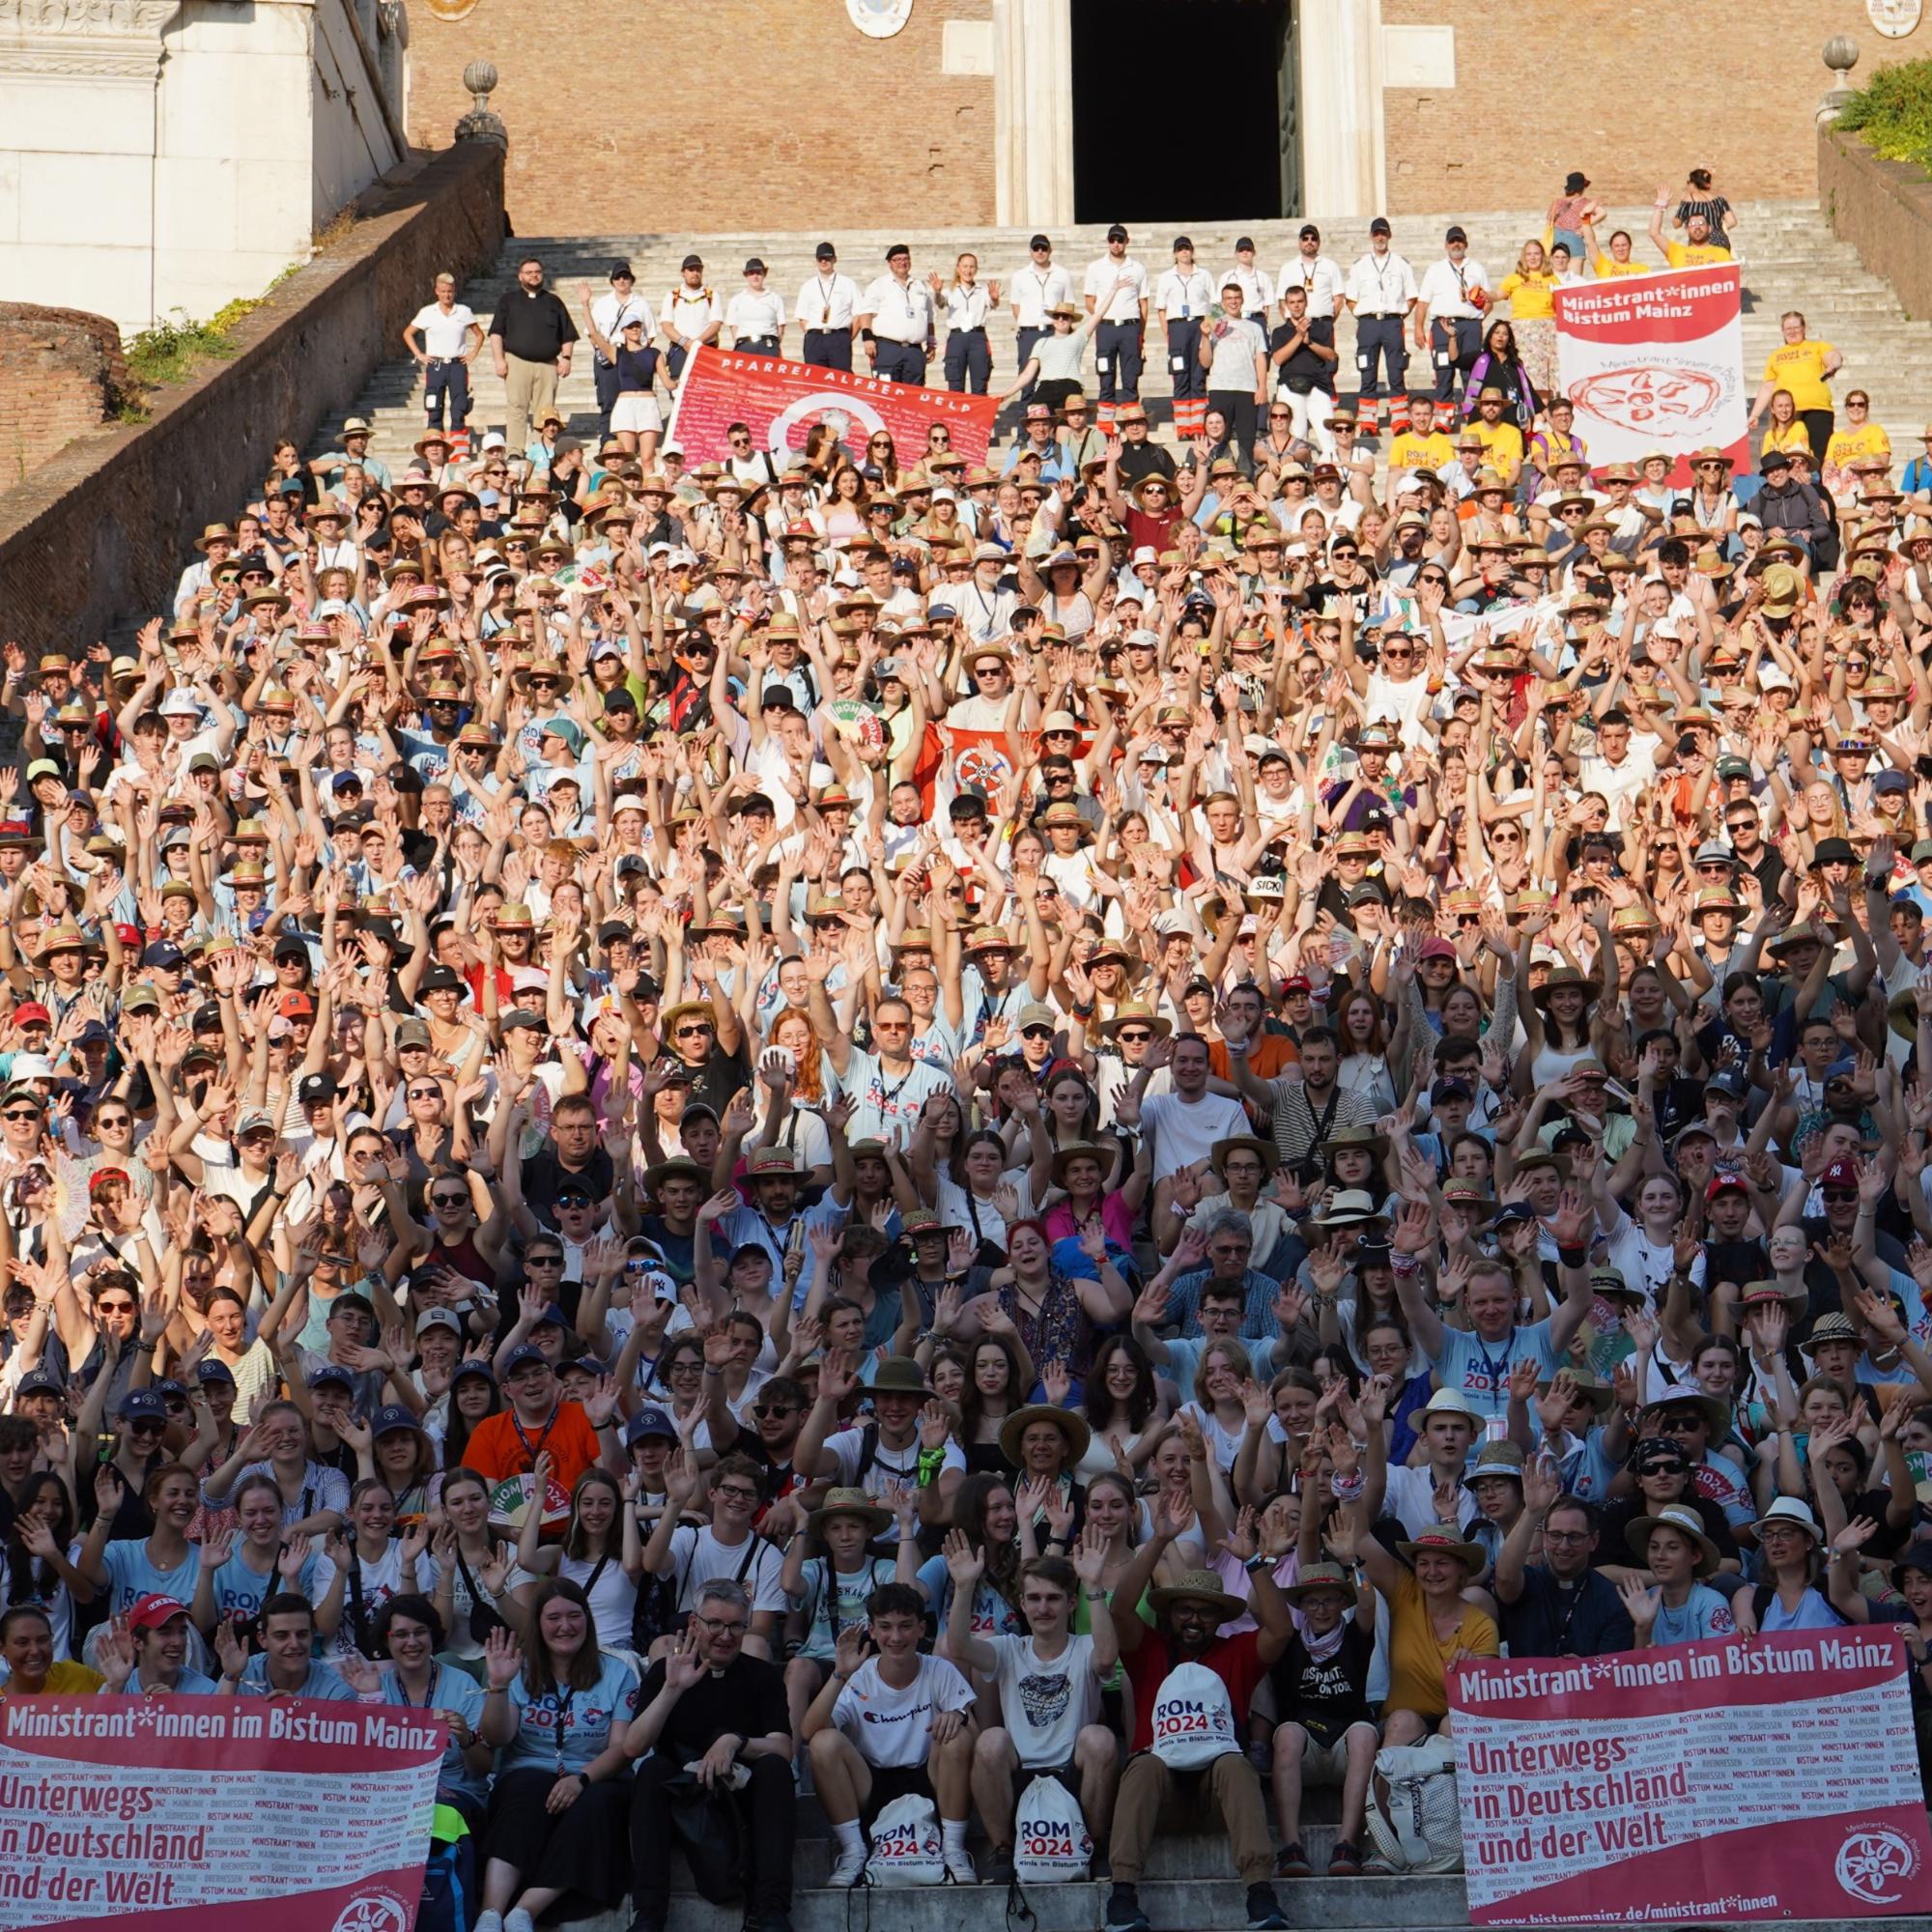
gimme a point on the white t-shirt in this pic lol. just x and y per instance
(891, 1728)
(1184, 1131)
(1622, 783)
(1044, 1704)
(698, 1558)
(445, 335)
(892, 1469)
(613, 1596)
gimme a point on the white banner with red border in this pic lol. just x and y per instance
(1655, 364)
(215, 1814)
(1769, 1777)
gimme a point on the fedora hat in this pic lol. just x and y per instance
(851, 1502)
(1074, 1428)
(1439, 1542)
(1685, 1521)
(1266, 1150)
(1103, 1156)
(1319, 1577)
(1139, 1013)
(1351, 1207)
(1197, 1586)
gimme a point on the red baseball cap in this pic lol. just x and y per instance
(294, 1006)
(153, 1611)
(30, 1012)
(1841, 1174)
(1722, 1183)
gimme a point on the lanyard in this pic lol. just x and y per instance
(536, 1450)
(563, 1704)
(1498, 1371)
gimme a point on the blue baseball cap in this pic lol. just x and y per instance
(648, 1422)
(475, 1367)
(143, 1403)
(522, 1356)
(211, 1370)
(331, 1371)
(391, 1417)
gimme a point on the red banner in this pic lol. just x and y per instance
(781, 400)
(214, 1814)
(1769, 1777)
(1655, 364)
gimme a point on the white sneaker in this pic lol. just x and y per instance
(959, 1867)
(486, 1922)
(848, 1870)
(518, 1920)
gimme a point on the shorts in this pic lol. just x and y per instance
(636, 411)
(1066, 1776)
(890, 1782)
(1327, 1764)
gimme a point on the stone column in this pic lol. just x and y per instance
(1344, 170)
(1033, 113)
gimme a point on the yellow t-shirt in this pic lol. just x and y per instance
(1847, 445)
(1694, 254)
(1607, 267)
(1418, 1661)
(64, 1680)
(1531, 298)
(1502, 447)
(1410, 451)
(1800, 367)
(1793, 436)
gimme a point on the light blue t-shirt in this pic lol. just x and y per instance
(1705, 1614)
(321, 1683)
(132, 1575)
(1480, 1371)
(239, 1592)
(450, 1690)
(1183, 1361)
(583, 1720)
(192, 1685)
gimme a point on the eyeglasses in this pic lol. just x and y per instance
(738, 1492)
(1839, 1193)
(1566, 1536)
(720, 1626)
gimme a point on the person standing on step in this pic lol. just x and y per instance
(1192, 1693)
(1232, 354)
(969, 361)
(532, 338)
(607, 317)
(1117, 293)
(1257, 297)
(1316, 275)
(1380, 293)
(1181, 299)
(826, 308)
(1037, 290)
(1304, 356)
(693, 315)
(898, 319)
(443, 336)
(1448, 315)
(756, 314)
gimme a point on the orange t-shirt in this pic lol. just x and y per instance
(495, 1450)
(1273, 1053)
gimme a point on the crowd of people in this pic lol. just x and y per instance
(952, 1123)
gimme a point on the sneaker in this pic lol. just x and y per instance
(518, 1920)
(959, 1866)
(1124, 1909)
(999, 1865)
(1291, 1861)
(1265, 1913)
(849, 1869)
(1346, 1860)
(486, 1922)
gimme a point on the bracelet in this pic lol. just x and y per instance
(1348, 1488)
(1572, 1258)
(1257, 1562)
(1402, 1263)
(1095, 1596)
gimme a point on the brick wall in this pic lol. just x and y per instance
(1884, 209)
(99, 534)
(60, 372)
(671, 116)
(1634, 94)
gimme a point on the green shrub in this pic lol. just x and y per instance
(1893, 112)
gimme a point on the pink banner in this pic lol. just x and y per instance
(171, 1813)
(1654, 363)
(1774, 1778)
(781, 400)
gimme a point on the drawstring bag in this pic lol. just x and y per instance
(906, 1846)
(1193, 1718)
(1051, 1842)
(1413, 1816)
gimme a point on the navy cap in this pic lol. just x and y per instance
(522, 1356)
(40, 1380)
(164, 954)
(331, 1371)
(391, 1417)
(167, 1386)
(1450, 1088)
(476, 1366)
(591, 1365)
(211, 1370)
(651, 1421)
(555, 1317)
(1516, 1211)
(142, 1401)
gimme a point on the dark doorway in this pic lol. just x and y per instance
(1225, 54)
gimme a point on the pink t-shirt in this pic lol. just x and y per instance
(1116, 1221)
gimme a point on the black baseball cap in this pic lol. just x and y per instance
(825, 252)
(622, 271)
(692, 262)
(1454, 235)
(1379, 226)
(1115, 232)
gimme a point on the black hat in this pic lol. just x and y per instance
(825, 252)
(1039, 242)
(755, 266)
(623, 270)
(1246, 242)
(317, 1087)
(440, 979)
(1454, 235)
(289, 947)
(692, 262)
(1308, 228)
(1181, 241)
(777, 697)
(1115, 232)
(1379, 226)
(1774, 459)
(897, 248)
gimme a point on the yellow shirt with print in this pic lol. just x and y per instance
(1607, 267)
(1694, 254)
(1502, 447)
(1793, 436)
(1531, 298)
(1800, 367)
(1848, 445)
(1410, 451)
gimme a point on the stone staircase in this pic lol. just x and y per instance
(1791, 259)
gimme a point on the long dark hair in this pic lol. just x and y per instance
(1002, 1559)
(587, 1667)
(972, 1411)
(28, 1582)
(456, 1437)
(1138, 1407)
(1509, 355)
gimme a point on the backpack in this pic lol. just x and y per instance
(710, 1830)
(655, 1611)
(906, 1845)
(1412, 1815)
(1051, 1842)
(449, 1889)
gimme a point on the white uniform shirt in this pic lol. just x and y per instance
(1380, 285)
(827, 301)
(1125, 306)
(1445, 288)
(898, 311)
(444, 336)
(752, 313)
(1034, 291)
(967, 308)
(1179, 298)
(611, 311)
(1318, 277)
(1253, 287)
(691, 312)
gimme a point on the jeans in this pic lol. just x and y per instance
(447, 377)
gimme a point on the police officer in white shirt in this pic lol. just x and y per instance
(825, 305)
(898, 317)
(448, 337)
(756, 314)
(1316, 275)
(1181, 298)
(1118, 351)
(969, 359)
(1256, 295)
(608, 314)
(691, 315)
(1380, 292)
(1448, 325)
(1037, 289)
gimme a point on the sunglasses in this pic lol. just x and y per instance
(765, 1411)
(1134, 1037)
(449, 1201)
(690, 1032)
(544, 1260)
(425, 1092)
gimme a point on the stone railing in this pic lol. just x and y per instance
(1884, 209)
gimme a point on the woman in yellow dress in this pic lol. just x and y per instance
(1531, 294)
